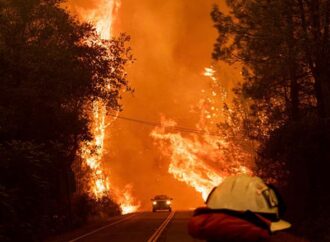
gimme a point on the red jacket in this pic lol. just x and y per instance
(228, 226)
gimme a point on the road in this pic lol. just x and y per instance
(143, 226)
(146, 227)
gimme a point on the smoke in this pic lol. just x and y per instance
(172, 42)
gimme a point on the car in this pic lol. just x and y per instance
(161, 202)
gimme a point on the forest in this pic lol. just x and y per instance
(283, 48)
(54, 67)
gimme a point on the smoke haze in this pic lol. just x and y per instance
(172, 42)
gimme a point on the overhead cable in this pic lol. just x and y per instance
(157, 124)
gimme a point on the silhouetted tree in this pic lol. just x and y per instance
(51, 67)
(283, 47)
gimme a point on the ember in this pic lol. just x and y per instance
(198, 159)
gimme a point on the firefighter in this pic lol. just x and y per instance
(241, 209)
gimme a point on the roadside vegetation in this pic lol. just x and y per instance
(51, 68)
(284, 50)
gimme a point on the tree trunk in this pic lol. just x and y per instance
(319, 77)
(315, 53)
(292, 63)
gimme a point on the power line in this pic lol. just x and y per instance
(156, 124)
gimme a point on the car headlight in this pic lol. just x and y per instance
(168, 202)
(154, 202)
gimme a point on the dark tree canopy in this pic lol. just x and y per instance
(283, 46)
(51, 67)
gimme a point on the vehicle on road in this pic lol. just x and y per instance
(161, 202)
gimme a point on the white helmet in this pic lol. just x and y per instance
(243, 193)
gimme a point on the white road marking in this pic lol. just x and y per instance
(104, 227)
(161, 228)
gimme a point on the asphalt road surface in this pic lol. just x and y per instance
(143, 226)
(146, 227)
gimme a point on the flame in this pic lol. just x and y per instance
(195, 160)
(92, 152)
(186, 163)
(198, 159)
(210, 72)
(126, 201)
(102, 16)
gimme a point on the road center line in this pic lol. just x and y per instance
(104, 227)
(161, 228)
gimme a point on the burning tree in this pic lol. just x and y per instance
(93, 178)
(216, 148)
(53, 71)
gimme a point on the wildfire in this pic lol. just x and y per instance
(126, 201)
(102, 16)
(199, 159)
(209, 72)
(185, 154)
(92, 152)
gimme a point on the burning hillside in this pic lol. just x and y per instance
(200, 158)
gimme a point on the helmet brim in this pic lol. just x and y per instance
(279, 225)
